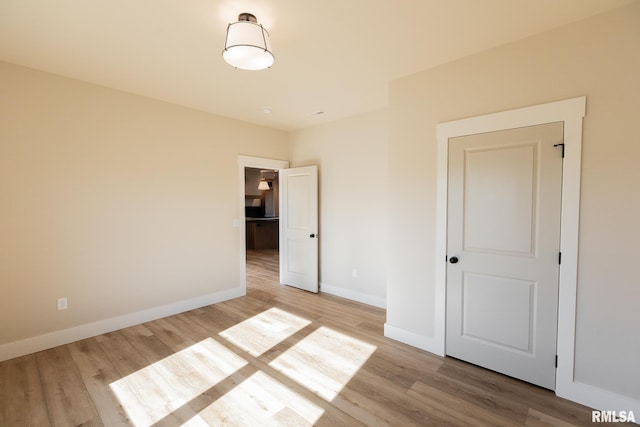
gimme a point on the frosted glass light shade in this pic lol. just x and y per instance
(247, 45)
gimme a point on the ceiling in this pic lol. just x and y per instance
(334, 58)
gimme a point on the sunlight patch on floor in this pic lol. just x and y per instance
(152, 393)
(264, 331)
(324, 361)
(167, 391)
(261, 401)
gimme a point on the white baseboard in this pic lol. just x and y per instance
(353, 295)
(416, 340)
(598, 398)
(65, 336)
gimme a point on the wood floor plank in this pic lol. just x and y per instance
(395, 369)
(241, 362)
(539, 419)
(213, 318)
(22, 401)
(482, 398)
(98, 373)
(501, 387)
(461, 410)
(68, 400)
(389, 403)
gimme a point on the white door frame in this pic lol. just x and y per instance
(258, 163)
(571, 112)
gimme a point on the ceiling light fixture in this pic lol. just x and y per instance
(247, 45)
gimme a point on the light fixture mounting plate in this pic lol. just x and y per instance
(247, 17)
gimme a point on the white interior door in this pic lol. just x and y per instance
(299, 227)
(503, 241)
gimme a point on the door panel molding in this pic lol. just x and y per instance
(489, 287)
(520, 243)
(571, 112)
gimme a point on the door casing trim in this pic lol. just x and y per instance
(571, 112)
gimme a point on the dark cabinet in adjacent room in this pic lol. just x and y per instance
(262, 233)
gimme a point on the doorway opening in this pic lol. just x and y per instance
(253, 261)
(261, 211)
(297, 226)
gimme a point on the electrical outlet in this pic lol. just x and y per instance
(62, 303)
(354, 273)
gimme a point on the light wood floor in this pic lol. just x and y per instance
(278, 356)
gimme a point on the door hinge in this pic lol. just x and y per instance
(560, 145)
(556, 360)
(559, 257)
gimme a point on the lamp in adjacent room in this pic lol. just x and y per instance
(263, 185)
(247, 45)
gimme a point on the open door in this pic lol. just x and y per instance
(299, 227)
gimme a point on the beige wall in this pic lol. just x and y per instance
(599, 58)
(352, 159)
(118, 202)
